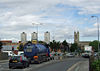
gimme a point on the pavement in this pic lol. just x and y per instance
(80, 66)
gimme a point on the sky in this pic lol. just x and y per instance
(60, 17)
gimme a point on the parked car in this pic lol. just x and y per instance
(70, 55)
(18, 61)
(95, 54)
(20, 53)
(86, 55)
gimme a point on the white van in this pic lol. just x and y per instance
(10, 53)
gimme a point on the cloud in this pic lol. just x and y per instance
(85, 6)
(59, 16)
(95, 25)
(89, 32)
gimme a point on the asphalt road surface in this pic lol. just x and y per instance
(53, 65)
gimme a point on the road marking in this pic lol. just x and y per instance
(26, 69)
(73, 66)
(77, 68)
(4, 63)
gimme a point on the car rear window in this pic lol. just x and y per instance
(15, 57)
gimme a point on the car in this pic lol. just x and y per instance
(70, 55)
(20, 53)
(86, 55)
(18, 61)
(95, 54)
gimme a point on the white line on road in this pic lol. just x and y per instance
(4, 63)
(26, 69)
(72, 67)
(77, 68)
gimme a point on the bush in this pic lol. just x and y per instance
(96, 65)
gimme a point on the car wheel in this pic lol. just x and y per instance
(10, 67)
(23, 66)
(28, 65)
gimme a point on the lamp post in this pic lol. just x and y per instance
(97, 28)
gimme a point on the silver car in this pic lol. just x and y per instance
(70, 55)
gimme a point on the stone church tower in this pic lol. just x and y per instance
(76, 37)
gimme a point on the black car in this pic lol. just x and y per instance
(18, 61)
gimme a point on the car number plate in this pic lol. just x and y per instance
(15, 61)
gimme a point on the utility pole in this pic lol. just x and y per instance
(97, 19)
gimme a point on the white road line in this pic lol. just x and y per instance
(77, 68)
(26, 69)
(4, 63)
(73, 66)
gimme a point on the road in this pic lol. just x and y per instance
(53, 65)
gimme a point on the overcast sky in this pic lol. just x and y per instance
(60, 17)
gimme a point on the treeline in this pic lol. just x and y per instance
(64, 46)
(57, 45)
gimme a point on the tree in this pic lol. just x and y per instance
(0, 45)
(41, 42)
(74, 47)
(55, 45)
(21, 47)
(94, 44)
(66, 46)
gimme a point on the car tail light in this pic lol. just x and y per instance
(20, 58)
(35, 57)
(47, 54)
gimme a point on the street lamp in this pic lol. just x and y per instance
(37, 27)
(97, 29)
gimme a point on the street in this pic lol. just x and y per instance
(53, 65)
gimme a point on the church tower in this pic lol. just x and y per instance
(76, 37)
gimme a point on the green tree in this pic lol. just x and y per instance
(65, 43)
(94, 44)
(0, 45)
(66, 46)
(41, 42)
(74, 47)
(21, 47)
(55, 45)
